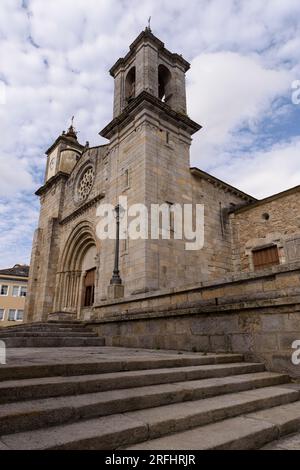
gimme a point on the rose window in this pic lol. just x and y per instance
(85, 184)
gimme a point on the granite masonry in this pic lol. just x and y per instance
(239, 293)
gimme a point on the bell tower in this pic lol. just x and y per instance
(150, 67)
(150, 138)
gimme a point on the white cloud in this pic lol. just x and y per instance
(265, 172)
(17, 223)
(15, 176)
(227, 91)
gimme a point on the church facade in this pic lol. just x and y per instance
(146, 160)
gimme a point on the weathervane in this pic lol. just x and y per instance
(149, 24)
(71, 131)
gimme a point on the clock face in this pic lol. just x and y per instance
(52, 163)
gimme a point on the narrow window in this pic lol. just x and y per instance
(125, 246)
(4, 290)
(23, 291)
(126, 179)
(265, 257)
(171, 216)
(1, 314)
(106, 169)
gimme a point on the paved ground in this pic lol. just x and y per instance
(111, 398)
(27, 356)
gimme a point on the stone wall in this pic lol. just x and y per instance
(45, 251)
(275, 220)
(258, 316)
(261, 335)
(215, 259)
(147, 160)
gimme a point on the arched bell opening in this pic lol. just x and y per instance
(164, 84)
(130, 85)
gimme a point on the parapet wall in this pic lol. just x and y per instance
(257, 315)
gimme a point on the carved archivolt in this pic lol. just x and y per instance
(69, 280)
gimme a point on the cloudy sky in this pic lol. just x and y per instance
(55, 57)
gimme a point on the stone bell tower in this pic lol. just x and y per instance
(150, 137)
(151, 68)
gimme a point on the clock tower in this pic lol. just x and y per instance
(63, 154)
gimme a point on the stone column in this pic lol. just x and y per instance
(80, 292)
(57, 291)
(62, 290)
(73, 287)
(67, 291)
(77, 291)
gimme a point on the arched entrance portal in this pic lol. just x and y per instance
(76, 279)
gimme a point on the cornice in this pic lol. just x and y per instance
(148, 101)
(266, 200)
(148, 36)
(80, 210)
(66, 140)
(7, 278)
(59, 176)
(219, 183)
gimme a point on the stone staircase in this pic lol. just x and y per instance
(150, 400)
(50, 334)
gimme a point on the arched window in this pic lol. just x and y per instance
(130, 85)
(164, 82)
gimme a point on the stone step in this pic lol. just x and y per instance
(29, 415)
(47, 328)
(48, 334)
(248, 432)
(49, 325)
(62, 322)
(52, 342)
(85, 367)
(16, 390)
(61, 329)
(291, 442)
(123, 430)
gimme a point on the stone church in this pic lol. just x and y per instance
(251, 248)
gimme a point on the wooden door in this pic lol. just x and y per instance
(89, 287)
(265, 257)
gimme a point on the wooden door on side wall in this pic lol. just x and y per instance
(89, 287)
(265, 257)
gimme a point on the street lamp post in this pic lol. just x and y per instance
(116, 288)
(116, 279)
